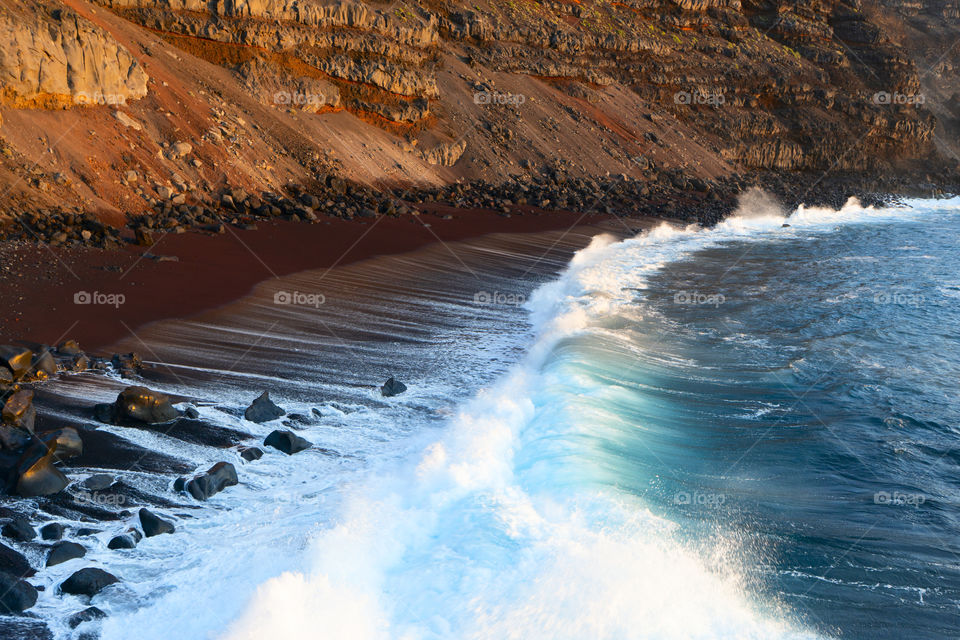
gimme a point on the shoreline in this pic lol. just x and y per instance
(99, 297)
(183, 271)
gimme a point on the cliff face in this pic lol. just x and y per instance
(270, 91)
(51, 58)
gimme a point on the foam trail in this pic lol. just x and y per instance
(493, 533)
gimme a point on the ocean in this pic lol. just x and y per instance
(747, 431)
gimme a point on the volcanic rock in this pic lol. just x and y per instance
(154, 525)
(392, 387)
(16, 595)
(88, 582)
(216, 479)
(64, 551)
(263, 409)
(287, 442)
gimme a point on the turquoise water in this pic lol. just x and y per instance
(819, 401)
(741, 432)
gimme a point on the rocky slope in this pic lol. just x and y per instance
(120, 107)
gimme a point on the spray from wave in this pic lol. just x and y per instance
(492, 534)
(502, 528)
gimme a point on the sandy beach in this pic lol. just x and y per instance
(183, 274)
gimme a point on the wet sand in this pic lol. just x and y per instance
(99, 297)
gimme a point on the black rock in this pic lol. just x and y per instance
(287, 441)
(87, 615)
(316, 412)
(63, 551)
(69, 348)
(122, 541)
(19, 412)
(140, 404)
(14, 562)
(16, 359)
(44, 363)
(87, 531)
(19, 529)
(251, 453)
(16, 595)
(88, 582)
(105, 412)
(392, 387)
(216, 479)
(98, 482)
(52, 531)
(37, 475)
(263, 409)
(191, 412)
(154, 525)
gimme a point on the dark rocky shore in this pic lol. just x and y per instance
(64, 482)
(671, 195)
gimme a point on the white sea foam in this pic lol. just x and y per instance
(476, 536)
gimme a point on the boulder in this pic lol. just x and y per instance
(128, 364)
(251, 453)
(287, 441)
(19, 412)
(263, 409)
(216, 479)
(105, 412)
(14, 562)
(69, 348)
(98, 482)
(44, 363)
(80, 363)
(123, 541)
(154, 525)
(392, 387)
(140, 404)
(13, 439)
(64, 551)
(16, 595)
(52, 531)
(87, 615)
(36, 474)
(19, 529)
(16, 359)
(88, 582)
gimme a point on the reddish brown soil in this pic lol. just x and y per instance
(38, 284)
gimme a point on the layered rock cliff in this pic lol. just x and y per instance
(99, 96)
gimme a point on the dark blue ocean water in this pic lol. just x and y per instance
(746, 432)
(794, 394)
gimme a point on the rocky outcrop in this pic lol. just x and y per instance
(445, 155)
(52, 57)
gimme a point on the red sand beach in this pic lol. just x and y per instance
(98, 297)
